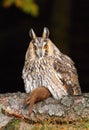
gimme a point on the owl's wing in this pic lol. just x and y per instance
(65, 66)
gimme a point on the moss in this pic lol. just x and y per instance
(78, 125)
(13, 124)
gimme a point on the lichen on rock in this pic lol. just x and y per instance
(68, 108)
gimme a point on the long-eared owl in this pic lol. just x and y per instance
(46, 66)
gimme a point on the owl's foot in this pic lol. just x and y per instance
(37, 95)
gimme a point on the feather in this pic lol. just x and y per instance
(53, 70)
(66, 68)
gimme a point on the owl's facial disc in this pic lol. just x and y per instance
(41, 47)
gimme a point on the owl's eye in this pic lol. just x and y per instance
(46, 47)
(35, 47)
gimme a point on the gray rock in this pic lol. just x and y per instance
(69, 107)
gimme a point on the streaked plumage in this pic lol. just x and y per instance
(46, 66)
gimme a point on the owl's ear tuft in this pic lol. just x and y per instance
(45, 32)
(32, 34)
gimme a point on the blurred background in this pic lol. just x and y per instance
(68, 22)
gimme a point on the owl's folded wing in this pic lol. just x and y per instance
(65, 66)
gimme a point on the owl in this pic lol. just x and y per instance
(47, 71)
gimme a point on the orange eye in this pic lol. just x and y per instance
(46, 47)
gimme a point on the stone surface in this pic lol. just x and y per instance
(68, 108)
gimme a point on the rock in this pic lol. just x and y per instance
(69, 108)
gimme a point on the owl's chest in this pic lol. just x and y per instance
(38, 74)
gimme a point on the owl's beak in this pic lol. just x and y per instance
(41, 52)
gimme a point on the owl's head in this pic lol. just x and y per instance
(40, 46)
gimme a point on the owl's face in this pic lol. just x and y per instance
(40, 45)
